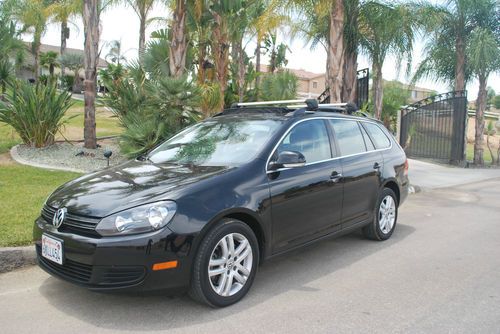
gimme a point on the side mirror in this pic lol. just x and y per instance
(288, 159)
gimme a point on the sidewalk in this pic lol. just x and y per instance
(430, 176)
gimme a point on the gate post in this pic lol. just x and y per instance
(398, 127)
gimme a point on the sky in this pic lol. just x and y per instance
(121, 23)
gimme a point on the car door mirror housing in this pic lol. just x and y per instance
(288, 159)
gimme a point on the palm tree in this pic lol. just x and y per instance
(75, 63)
(450, 26)
(49, 60)
(483, 53)
(6, 74)
(179, 44)
(385, 29)
(62, 11)
(33, 15)
(142, 8)
(115, 54)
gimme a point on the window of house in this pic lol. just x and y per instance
(315, 84)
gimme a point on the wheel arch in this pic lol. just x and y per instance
(394, 186)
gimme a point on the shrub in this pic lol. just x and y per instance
(279, 86)
(35, 111)
(150, 108)
(67, 82)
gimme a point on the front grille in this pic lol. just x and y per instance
(97, 276)
(71, 270)
(77, 224)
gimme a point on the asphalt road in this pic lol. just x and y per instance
(439, 273)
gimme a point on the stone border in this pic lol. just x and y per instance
(17, 158)
(16, 257)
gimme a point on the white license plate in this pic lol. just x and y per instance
(52, 249)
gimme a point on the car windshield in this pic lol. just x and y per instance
(217, 142)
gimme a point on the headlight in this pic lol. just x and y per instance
(144, 218)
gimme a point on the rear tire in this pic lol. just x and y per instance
(385, 217)
(224, 267)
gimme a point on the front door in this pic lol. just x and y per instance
(306, 201)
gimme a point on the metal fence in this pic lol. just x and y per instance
(434, 128)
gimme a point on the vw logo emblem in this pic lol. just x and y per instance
(59, 217)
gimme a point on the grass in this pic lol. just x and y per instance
(469, 153)
(23, 191)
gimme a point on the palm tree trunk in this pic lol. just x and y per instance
(377, 89)
(220, 49)
(480, 107)
(257, 67)
(178, 46)
(142, 38)
(91, 28)
(460, 66)
(241, 70)
(350, 76)
(335, 66)
(64, 37)
(36, 55)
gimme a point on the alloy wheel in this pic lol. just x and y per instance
(387, 214)
(230, 264)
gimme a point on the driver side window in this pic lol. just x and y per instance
(309, 138)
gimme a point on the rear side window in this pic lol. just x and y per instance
(348, 136)
(309, 138)
(378, 136)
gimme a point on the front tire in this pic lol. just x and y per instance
(386, 215)
(225, 265)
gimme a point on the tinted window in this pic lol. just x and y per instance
(378, 136)
(217, 142)
(348, 136)
(368, 141)
(309, 138)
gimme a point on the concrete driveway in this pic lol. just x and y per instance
(439, 273)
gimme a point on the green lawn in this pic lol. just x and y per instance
(23, 191)
(8, 138)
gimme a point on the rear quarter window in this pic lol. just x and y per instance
(379, 138)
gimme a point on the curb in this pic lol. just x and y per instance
(17, 158)
(16, 257)
(413, 189)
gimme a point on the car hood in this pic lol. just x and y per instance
(131, 184)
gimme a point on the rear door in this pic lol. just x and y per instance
(361, 166)
(306, 201)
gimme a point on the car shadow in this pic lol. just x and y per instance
(293, 271)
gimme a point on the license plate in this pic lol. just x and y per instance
(52, 249)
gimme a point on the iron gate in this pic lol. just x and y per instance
(362, 89)
(434, 128)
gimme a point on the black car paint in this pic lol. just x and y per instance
(276, 204)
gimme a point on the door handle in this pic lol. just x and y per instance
(335, 177)
(376, 166)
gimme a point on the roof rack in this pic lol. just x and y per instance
(298, 107)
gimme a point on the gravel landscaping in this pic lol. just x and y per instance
(72, 156)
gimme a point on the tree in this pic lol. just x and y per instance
(91, 16)
(351, 44)
(483, 54)
(496, 102)
(179, 44)
(115, 54)
(33, 14)
(142, 8)
(279, 86)
(384, 29)
(62, 11)
(49, 60)
(277, 52)
(74, 62)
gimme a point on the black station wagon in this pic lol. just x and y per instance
(203, 209)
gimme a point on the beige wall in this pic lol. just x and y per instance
(311, 87)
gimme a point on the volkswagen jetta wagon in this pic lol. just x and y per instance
(203, 209)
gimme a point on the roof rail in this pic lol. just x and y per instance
(310, 104)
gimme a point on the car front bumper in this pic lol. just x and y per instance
(122, 262)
